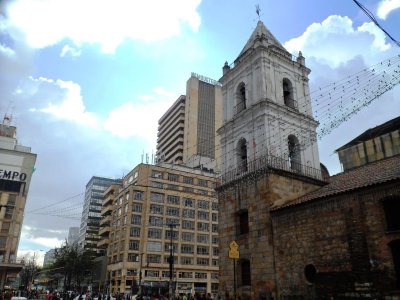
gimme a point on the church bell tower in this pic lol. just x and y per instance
(267, 110)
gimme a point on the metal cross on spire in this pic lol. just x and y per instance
(258, 10)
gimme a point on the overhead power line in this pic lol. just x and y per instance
(373, 19)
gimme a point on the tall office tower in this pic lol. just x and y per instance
(162, 212)
(187, 131)
(73, 235)
(16, 168)
(90, 221)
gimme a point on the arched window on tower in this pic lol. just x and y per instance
(240, 98)
(242, 155)
(288, 98)
(294, 153)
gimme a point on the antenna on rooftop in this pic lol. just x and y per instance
(7, 119)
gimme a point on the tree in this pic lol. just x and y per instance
(27, 273)
(73, 263)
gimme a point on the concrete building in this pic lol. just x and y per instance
(49, 257)
(156, 207)
(269, 157)
(16, 168)
(73, 235)
(90, 221)
(187, 131)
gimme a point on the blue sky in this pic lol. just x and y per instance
(86, 81)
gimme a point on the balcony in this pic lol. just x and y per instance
(265, 162)
(106, 210)
(104, 231)
(239, 107)
(290, 102)
(103, 243)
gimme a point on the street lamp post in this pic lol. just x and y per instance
(171, 259)
(140, 274)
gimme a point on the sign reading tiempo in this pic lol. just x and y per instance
(12, 175)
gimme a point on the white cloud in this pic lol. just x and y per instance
(48, 22)
(61, 99)
(131, 119)
(385, 7)
(335, 41)
(68, 50)
(7, 51)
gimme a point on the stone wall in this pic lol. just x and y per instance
(256, 197)
(343, 238)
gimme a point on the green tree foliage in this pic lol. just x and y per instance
(73, 263)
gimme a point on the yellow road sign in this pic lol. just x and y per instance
(233, 250)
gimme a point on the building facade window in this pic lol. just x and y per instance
(173, 177)
(135, 231)
(391, 207)
(188, 225)
(156, 221)
(187, 236)
(153, 258)
(136, 219)
(201, 226)
(188, 180)
(133, 245)
(156, 209)
(203, 250)
(154, 233)
(188, 213)
(203, 215)
(175, 200)
(154, 246)
(138, 195)
(203, 204)
(202, 261)
(188, 202)
(156, 197)
(242, 222)
(202, 238)
(132, 257)
(245, 272)
(173, 211)
(187, 249)
(137, 207)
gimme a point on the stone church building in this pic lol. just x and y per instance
(301, 233)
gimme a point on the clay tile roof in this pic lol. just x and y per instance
(374, 173)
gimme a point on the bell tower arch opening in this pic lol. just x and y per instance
(294, 153)
(240, 98)
(288, 98)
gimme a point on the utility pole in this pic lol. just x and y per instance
(171, 259)
(140, 274)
